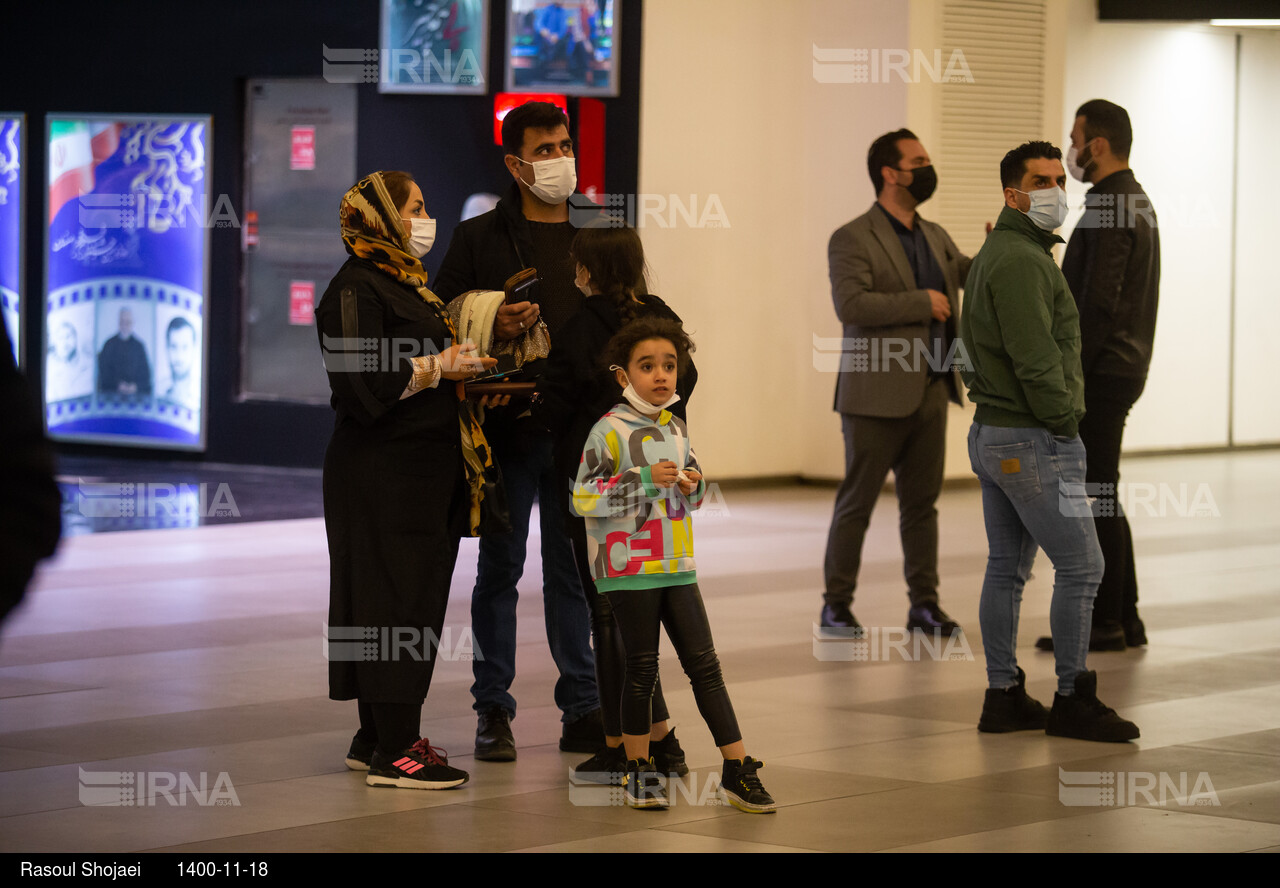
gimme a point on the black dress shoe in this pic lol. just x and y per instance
(1101, 639)
(930, 618)
(583, 735)
(838, 616)
(494, 741)
(1135, 634)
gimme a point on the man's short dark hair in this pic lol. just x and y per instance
(530, 115)
(1111, 122)
(884, 152)
(1014, 165)
(177, 324)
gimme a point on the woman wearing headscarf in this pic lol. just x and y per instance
(404, 477)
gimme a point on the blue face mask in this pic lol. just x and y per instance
(1048, 207)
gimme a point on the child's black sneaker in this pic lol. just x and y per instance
(668, 757)
(643, 786)
(741, 787)
(360, 754)
(1084, 717)
(1010, 709)
(422, 766)
(607, 767)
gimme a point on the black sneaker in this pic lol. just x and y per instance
(360, 754)
(607, 767)
(1010, 709)
(421, 766)
(930, 619)
(583, 735)
(1083, 716)
(668, 757)
(494, 741)
(741, 787)
(643, 786)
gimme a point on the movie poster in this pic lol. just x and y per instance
(563, 46)
(11, 228)
(129, 211)
(434, 46)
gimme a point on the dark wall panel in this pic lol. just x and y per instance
(157, 56)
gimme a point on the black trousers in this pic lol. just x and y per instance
(914, 449)
(393, 727)
(639, 614)
(610, 656)
(1107, 401)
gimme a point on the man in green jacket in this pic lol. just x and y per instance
(1021, 333)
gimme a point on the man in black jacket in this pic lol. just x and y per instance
(530, 227)
(1112, 265)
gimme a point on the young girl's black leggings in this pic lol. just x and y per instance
(639, 614)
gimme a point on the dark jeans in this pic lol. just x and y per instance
(610, 657)
(1108, 400)
(528, 471)
(640, 613)
(914, 447)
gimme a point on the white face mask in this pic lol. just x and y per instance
(1048, 207)
(553, 180)
(422, 234)
(1073, 165)
(639, 404)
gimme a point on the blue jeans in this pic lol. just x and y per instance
(528, 472)
(1032, 495)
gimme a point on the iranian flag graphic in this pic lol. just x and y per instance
(76, 147)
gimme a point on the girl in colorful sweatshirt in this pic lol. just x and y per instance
(637, 485)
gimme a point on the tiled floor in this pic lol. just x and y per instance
(191, 654)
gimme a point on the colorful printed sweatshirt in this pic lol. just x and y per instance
(639, 536)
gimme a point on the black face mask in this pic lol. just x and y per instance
(923, 182)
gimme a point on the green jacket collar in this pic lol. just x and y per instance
(1013, 220)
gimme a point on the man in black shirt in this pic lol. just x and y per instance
(1112, 265)
(530, 227)
(123, 368)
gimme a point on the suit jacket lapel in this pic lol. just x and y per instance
(939, 250)
(888, 238)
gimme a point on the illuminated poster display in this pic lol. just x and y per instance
(11, 226)
(126, 277)
(564, 46)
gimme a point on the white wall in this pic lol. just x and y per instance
(1177, 81)
(732, 111)
(1256, 396)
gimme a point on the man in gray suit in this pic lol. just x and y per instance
(895, 279)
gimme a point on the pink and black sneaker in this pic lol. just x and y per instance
(421, 766)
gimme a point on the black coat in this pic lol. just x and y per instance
(1112, 265)
(30, 504)
(395, 500)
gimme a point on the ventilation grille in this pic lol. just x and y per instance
(1003, 45)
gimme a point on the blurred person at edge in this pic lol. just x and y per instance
(30, 504)
(401, 473)
(1112, 265)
